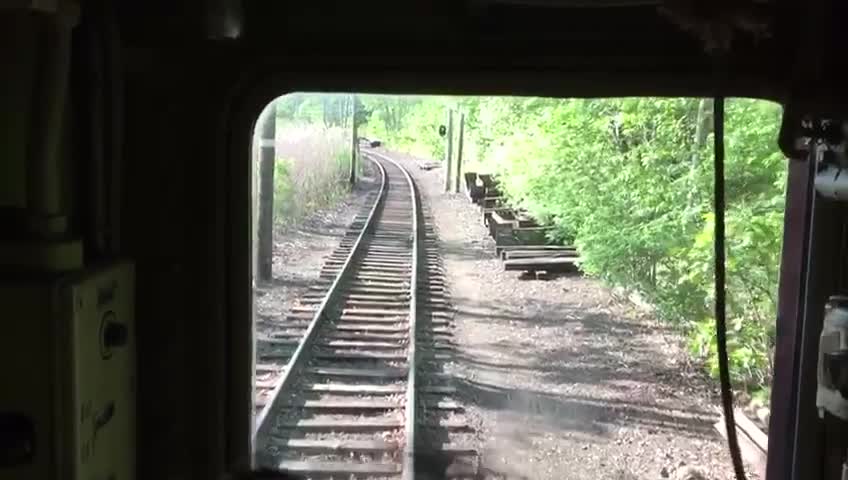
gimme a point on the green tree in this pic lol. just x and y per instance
(629, 181)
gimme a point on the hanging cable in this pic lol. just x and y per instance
(720, 302)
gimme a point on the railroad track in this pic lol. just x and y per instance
(275, 348)
(361, 395)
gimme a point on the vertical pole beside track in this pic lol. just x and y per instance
(354, 144)
(266, 194)
(449, 151)
(254, 206)
(459, 152)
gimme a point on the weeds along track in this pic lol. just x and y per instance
(349, 386)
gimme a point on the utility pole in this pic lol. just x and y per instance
(354, 149)
(459, 152)
(449, 152)
(268, 124)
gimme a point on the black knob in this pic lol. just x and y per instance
(115, 334)
(112, 334)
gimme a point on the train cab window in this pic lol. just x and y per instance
(508, 287)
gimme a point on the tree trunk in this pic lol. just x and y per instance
(703, 127)
(266, 195)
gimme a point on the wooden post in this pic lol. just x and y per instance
(449, 152)
(266, 194)
(459, 152)
(254, 205)
(354, 149)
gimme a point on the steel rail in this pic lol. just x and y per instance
(411, 398)
(298, 357)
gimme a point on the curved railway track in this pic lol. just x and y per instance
(351, 400)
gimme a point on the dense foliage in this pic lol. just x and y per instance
(407, 123)
(331, 110)
(629, 181)
(313, 151)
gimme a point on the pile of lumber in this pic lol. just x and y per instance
(520, 241)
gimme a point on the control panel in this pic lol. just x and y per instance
(67, 363)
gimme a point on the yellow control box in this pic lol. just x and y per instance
(67, 376)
